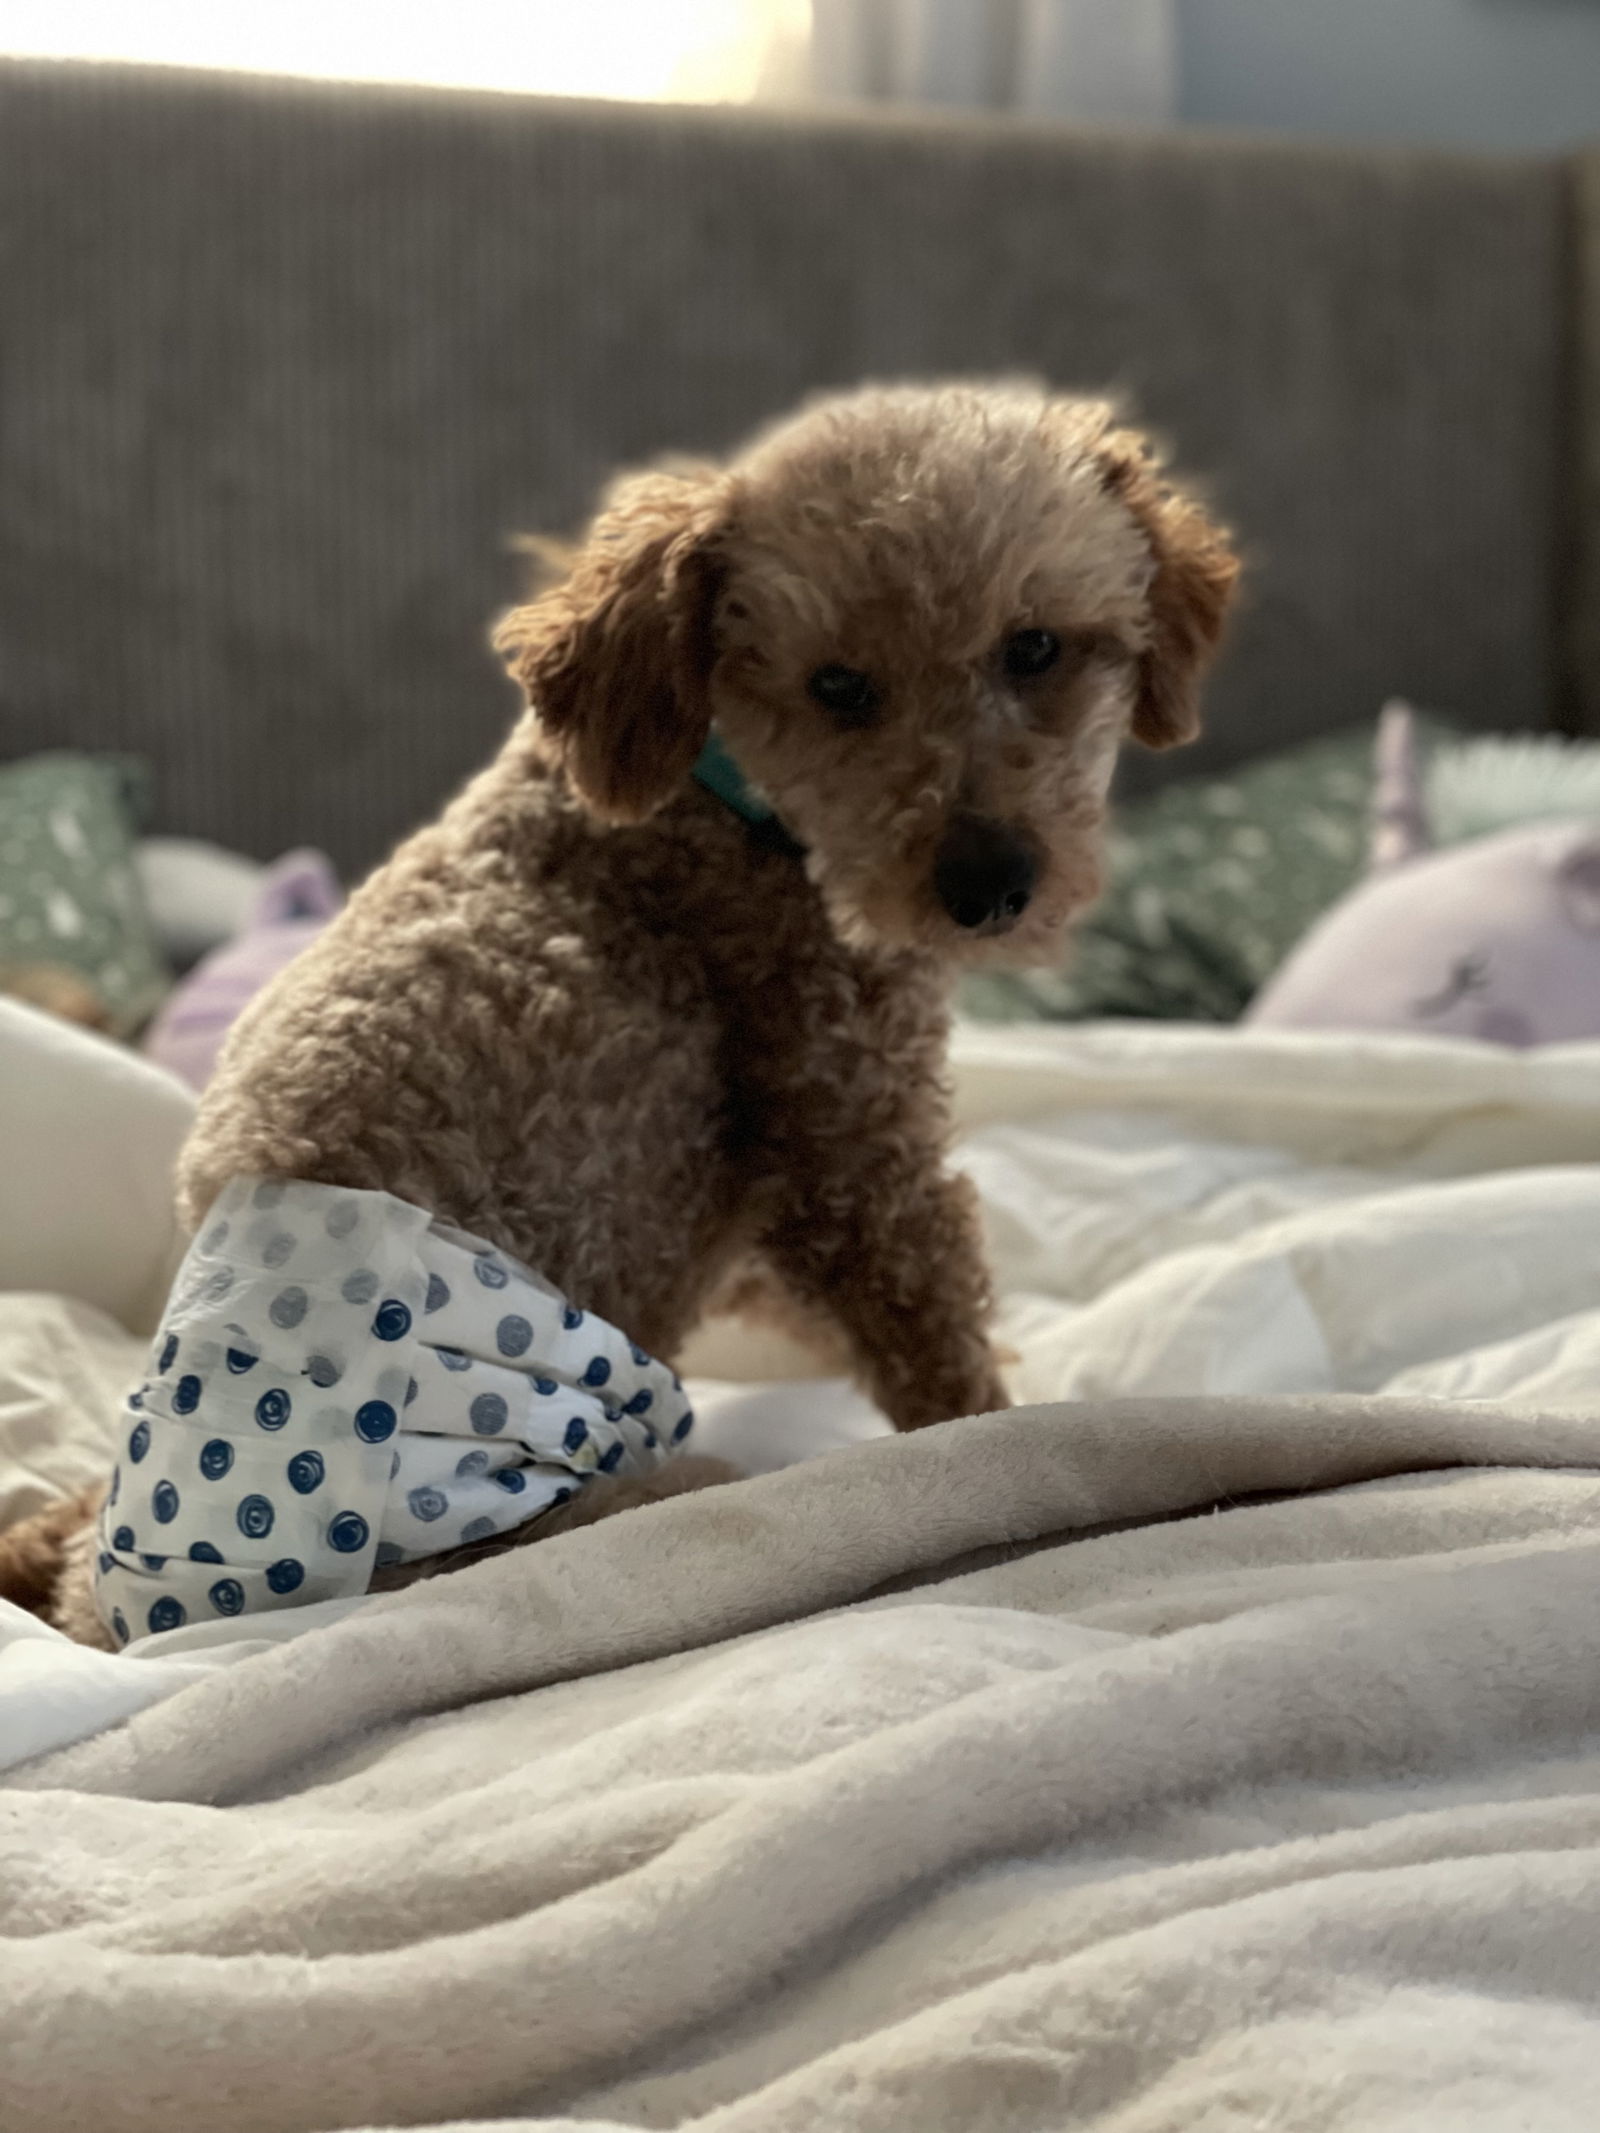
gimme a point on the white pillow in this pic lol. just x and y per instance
(198, 895)
(64, 1371)
(89, 1136)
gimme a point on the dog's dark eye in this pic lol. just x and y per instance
(849, 694)
(1030, 652)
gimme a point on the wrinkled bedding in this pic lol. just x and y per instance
(1214, 1743)
(1194, 1211)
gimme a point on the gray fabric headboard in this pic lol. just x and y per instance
(282, 368)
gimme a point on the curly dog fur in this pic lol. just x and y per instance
(593, 1016)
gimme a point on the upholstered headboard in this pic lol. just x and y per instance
(283, 367)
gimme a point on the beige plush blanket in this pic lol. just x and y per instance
(910, 1789)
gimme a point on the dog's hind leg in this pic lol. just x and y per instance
(603, 1497)
(45, 1565)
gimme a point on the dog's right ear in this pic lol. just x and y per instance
(1194, 577)
(617, 657)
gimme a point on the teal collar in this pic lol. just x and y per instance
(721, 776)
(716, 770)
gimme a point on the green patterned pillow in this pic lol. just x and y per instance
(1209, 885)
(69, 896)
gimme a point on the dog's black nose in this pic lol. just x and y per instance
(984, 875)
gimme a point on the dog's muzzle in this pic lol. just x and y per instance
(984, 875)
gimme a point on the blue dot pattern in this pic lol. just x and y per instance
(274, 1408)
(216, 1458)
(306, 1471)
(324, 1356)
(348, 1532)
(513, 1336)
(375, 1421)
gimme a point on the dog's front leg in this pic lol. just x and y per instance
(889, 1245)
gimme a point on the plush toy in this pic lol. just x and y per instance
(296, 899)
(1498, 939)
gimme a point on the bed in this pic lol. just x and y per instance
(1211, 1741)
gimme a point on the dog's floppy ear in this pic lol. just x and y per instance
(1196, 571)
(616, 658)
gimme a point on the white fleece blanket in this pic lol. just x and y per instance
(896, 1790)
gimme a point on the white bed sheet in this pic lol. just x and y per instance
(1171, 1210)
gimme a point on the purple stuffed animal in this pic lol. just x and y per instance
(297, 898)
(1498, 939)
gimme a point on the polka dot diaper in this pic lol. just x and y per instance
(339, 1383)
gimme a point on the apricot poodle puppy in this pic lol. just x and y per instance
(662, 995)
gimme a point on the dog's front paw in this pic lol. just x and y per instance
(918, 1403)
